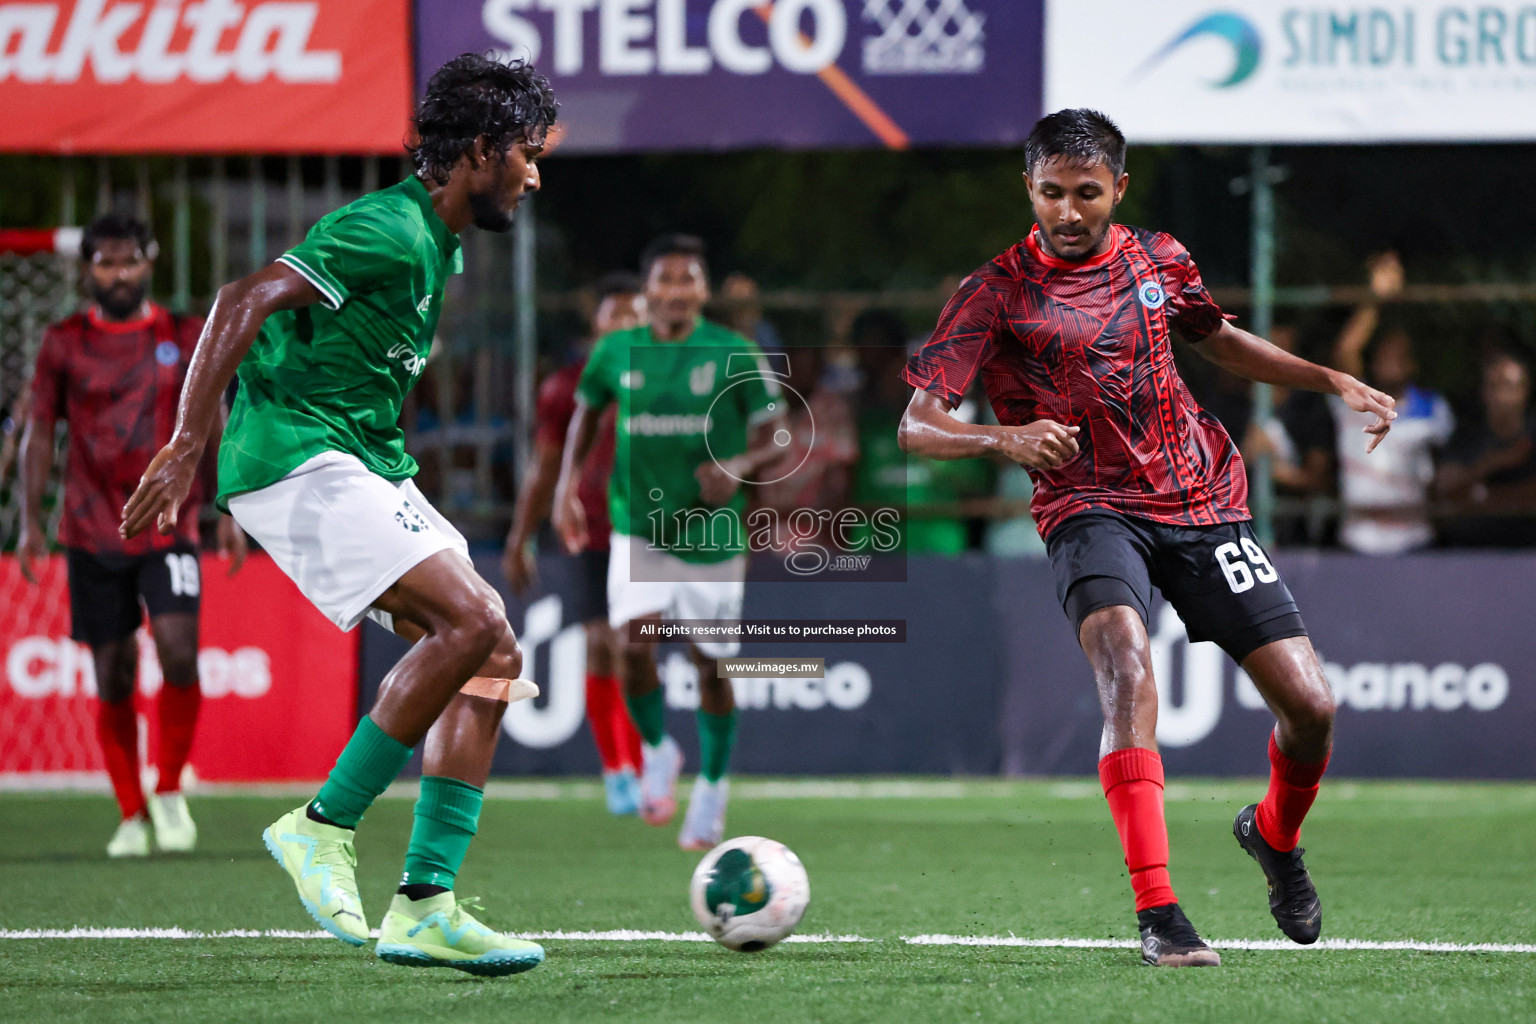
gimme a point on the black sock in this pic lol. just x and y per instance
(420, 890)
(314, 815)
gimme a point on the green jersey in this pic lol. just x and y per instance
(681, 404)
(332, 377)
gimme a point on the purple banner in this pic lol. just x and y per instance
(645, 75)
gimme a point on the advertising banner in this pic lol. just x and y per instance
(640, 75)
(1249, 71)
(990, 680)
(279, 681)
(878, 707)
(204, 76)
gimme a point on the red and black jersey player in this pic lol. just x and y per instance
(113, 373)
(1136, 487)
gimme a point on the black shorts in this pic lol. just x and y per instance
(106, 590)
(589, 595)
(1217, 578)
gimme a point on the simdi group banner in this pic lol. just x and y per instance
(1239, 71)
(638, 75)
(1428, 657)
(204, 76)
(279, 680)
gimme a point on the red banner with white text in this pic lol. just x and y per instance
(279, 680)
(204, 76)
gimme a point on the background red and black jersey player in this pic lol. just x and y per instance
(1136, 486)
(113, 373)
(620, 305)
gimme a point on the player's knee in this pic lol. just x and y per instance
(179, 669)
(506, 661)
(479, 628)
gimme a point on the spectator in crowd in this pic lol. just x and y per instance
(813, 472)
(1385, 497)
(1299, 439)
(741, 308)
(1490, 465)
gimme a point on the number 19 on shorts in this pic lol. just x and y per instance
(184, 576)
(1242, 572)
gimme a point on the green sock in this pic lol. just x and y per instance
(717, 735)
(649, 712)
(447, 816)
(366, 767)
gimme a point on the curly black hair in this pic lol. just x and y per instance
(1079, 135)
(474, 95)
(121, 226)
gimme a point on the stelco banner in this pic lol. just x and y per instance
(204, 76)
(635, 75)
(279, 681)
(1197, 71)
(990, 680)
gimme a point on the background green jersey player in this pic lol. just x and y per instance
(698, 414)
(327, 342)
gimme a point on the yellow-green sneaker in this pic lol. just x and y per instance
(439, 932)
(322, 862)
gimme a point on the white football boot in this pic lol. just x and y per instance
(658, 781)
(175, 831)
(704, 824)
(131, 838)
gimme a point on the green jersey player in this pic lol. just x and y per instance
(698, 415)
(327, 342)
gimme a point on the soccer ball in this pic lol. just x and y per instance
(750, 892)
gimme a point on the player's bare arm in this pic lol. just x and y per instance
(569, 518)
(237, 315)
(1250, 356)
(718, 481)
(36, 461)
(928, 429)
(532, 508)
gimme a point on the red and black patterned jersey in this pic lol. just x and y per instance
(1086, 344)
(116, 385)
(557, 404)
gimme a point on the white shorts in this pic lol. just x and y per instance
(343, 533)
(692, 591)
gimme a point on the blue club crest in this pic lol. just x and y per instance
(1152, 295)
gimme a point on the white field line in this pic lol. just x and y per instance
(631, 935)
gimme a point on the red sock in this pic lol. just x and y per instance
(179, 706)
(604, 697)
(1292, 788)
(1133, 785)
(629, 736)
(117, 726)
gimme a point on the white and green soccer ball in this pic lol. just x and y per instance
(750, 892)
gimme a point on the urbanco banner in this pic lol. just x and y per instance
(1256, 71)
(1428, 657)
(646, 75)
(205, 76)
(279, 681)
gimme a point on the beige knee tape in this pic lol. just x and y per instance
(509, 690)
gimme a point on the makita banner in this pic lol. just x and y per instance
(1429, 657)
(204, 76)
(1201, 71)
(279, 681)
(635, 75)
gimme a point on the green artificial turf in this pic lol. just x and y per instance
(1429, 862)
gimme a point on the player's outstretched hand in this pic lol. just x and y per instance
(570, 521)
(162, 489)
(519, 568)
(232, 544)
(1043, 444)
(1362, 397)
